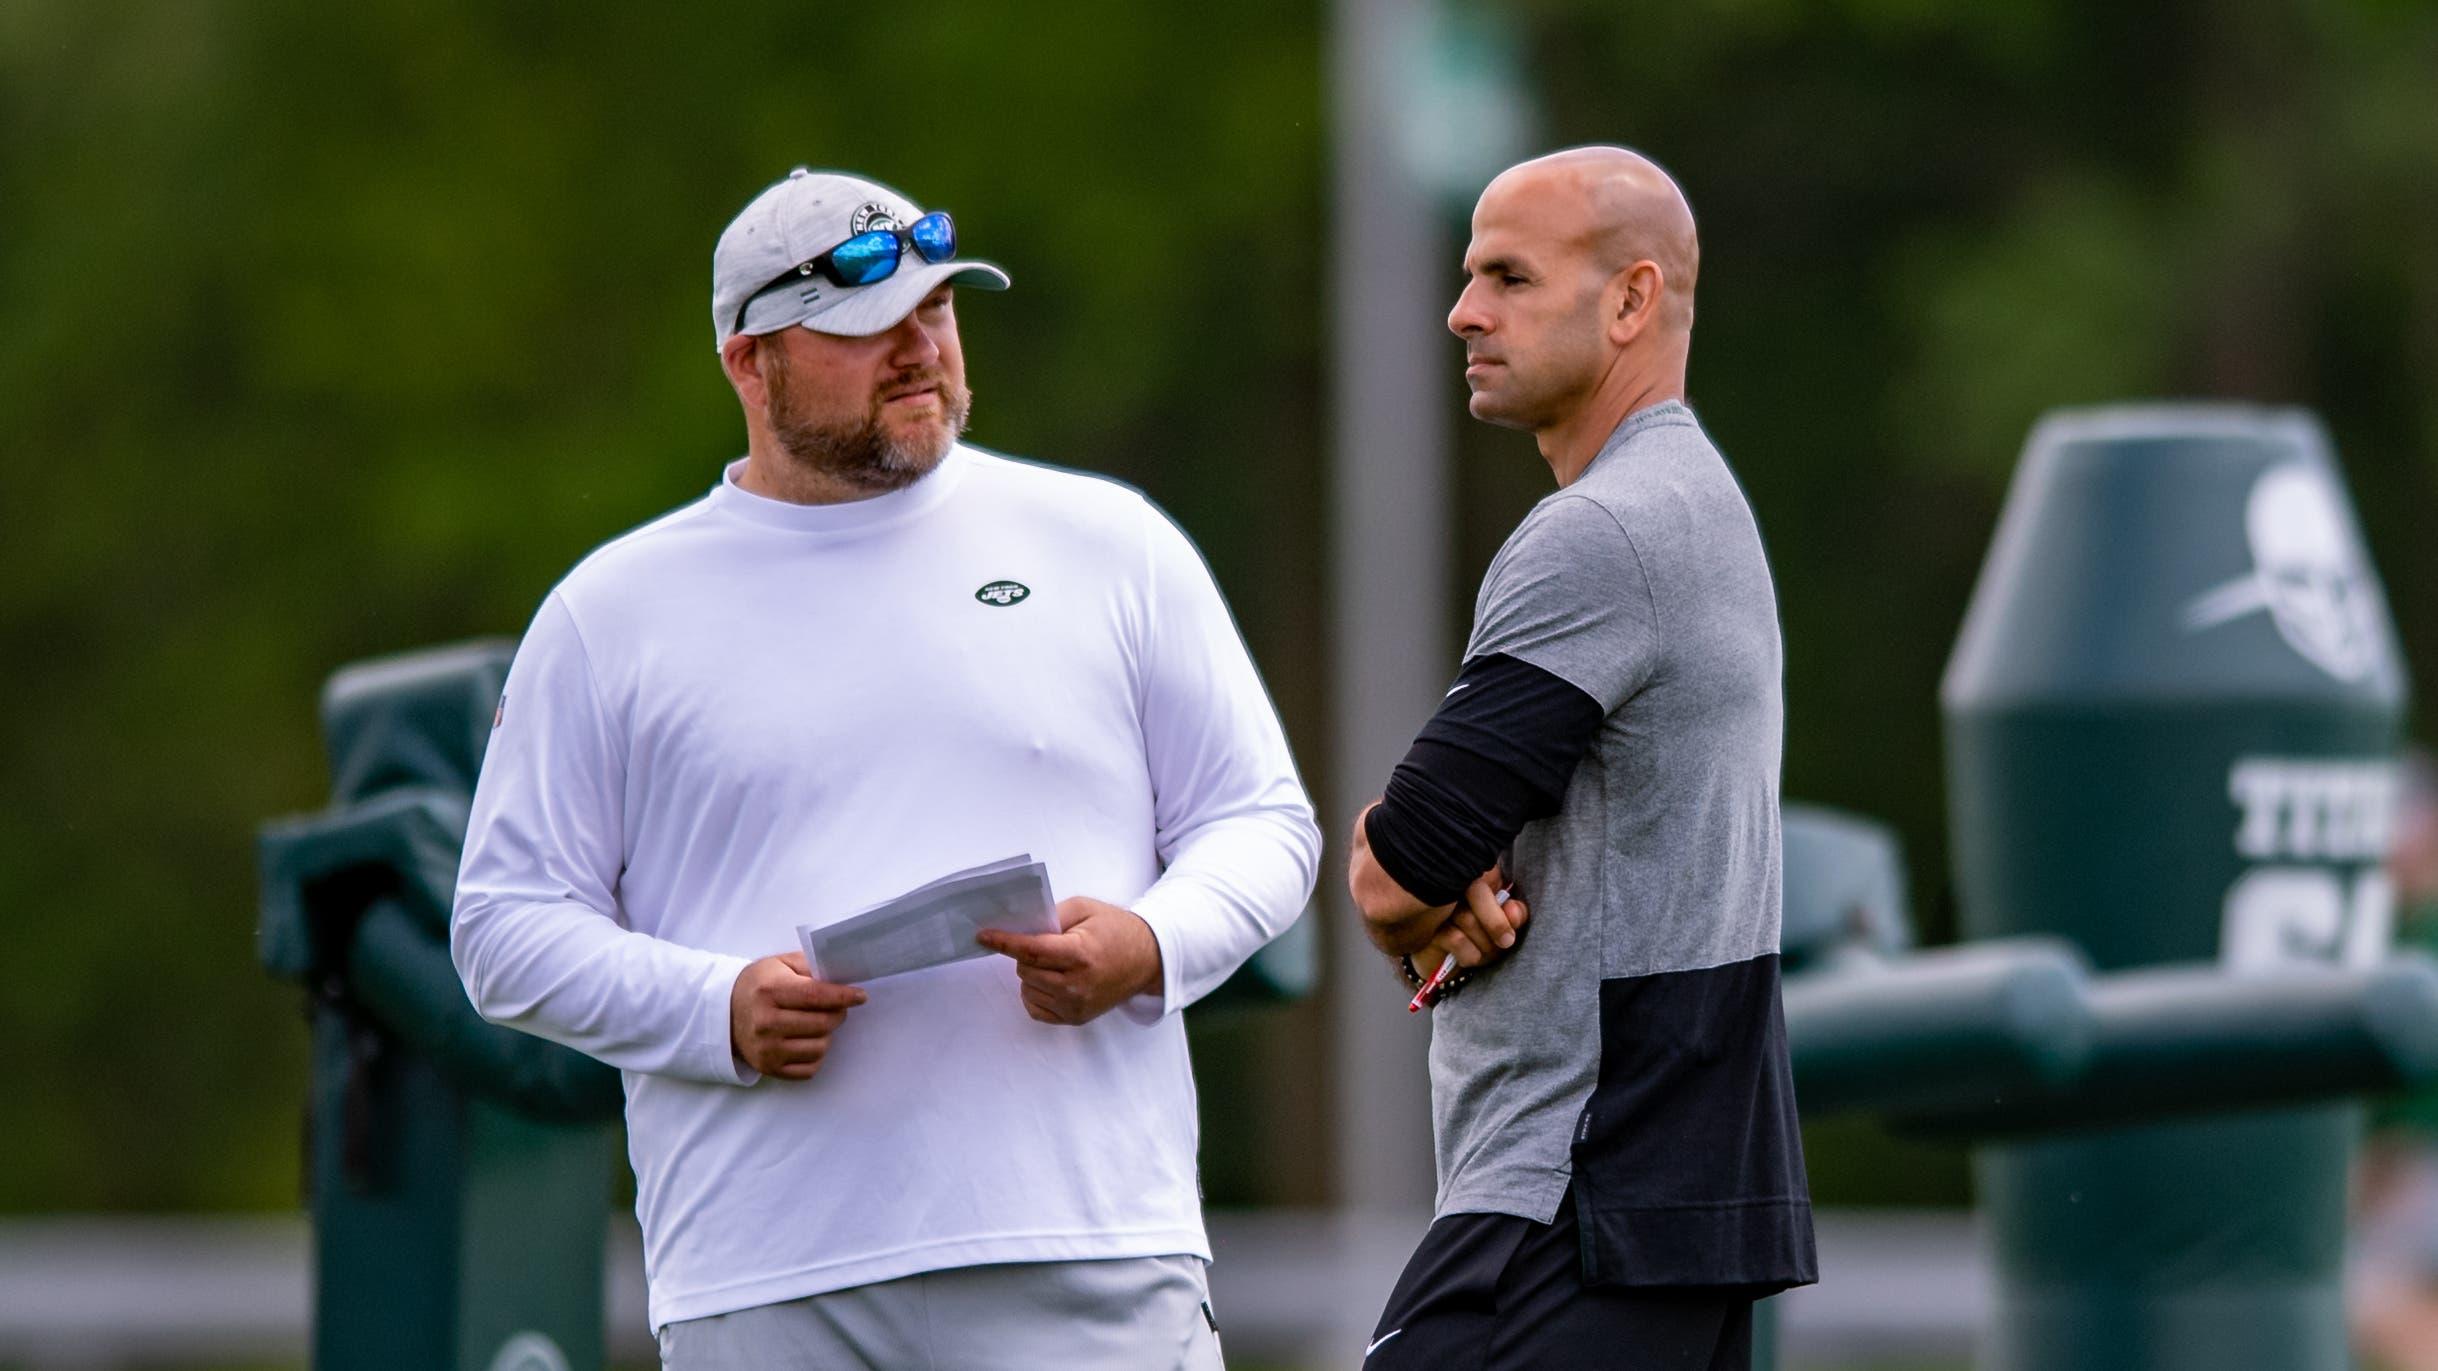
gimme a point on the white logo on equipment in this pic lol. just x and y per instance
(872, 214)
(2305, 573)
(2313, 832)
(529, 1351)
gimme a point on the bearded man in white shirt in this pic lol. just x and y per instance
(871, 656)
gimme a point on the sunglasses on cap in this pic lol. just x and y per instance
(870, 257)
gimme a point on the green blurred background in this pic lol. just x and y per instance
(327, 331)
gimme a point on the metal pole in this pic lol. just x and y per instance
(1391, 527)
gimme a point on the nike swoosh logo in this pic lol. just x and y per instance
(1450, 695)
(1375, 1346)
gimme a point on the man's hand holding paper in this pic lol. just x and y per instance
(780, 1019)
(933, 924)
(1103, 956)
(1075, 961)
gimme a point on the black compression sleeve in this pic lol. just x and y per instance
(1496, 756)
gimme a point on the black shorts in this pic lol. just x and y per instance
(1493, 1292)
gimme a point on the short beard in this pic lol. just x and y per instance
(859, 453)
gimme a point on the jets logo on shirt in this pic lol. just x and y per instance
(1003, 593)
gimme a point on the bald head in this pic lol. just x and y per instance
(1615, 205)
(1578, 301)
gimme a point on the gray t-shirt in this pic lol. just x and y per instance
(1643, 584)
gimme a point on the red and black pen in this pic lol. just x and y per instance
(1429, 993)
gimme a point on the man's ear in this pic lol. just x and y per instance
(1631, 303)
(741, 358)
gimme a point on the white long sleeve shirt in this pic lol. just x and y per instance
(749, 715)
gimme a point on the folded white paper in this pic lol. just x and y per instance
(933, 924)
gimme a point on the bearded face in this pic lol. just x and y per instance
(887, 438)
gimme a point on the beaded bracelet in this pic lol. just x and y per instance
(1447, 988)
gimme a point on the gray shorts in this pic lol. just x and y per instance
(1135, 1314)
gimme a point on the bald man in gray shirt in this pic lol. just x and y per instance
(1620, 1173)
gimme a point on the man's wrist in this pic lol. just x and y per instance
(1154, 980)
(1387, 906)
(1415, 980)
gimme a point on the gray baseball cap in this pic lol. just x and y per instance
(760, 280)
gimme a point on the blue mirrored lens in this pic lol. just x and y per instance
(865, 258)
(935, 236)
